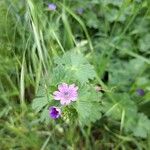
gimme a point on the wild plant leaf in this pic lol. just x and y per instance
(42, 100)
(134, 122)
(125, 73)
(142, 128)
(45, 115)
(114, 2)
(58, 75)
(88, 106)
(92, 20)
(76, 67)
(121, 102)
(84, 73)
(39, 102)
(88, 112)
(71, 58)
(144, 44)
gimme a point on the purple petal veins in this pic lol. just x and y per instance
(66, 93)
(54, 112)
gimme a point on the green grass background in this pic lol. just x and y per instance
(114, 35)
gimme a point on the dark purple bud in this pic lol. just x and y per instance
(51, 6)
(140, 92)
(80, 11)
(54, 112)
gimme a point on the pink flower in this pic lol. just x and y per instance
(66, 93)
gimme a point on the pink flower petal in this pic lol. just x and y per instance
(57, 95)
(63, 87)
(74, 98)
(73, 88)
(65, 102)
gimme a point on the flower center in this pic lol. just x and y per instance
(66, 94)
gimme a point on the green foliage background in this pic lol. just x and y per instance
(106, 45)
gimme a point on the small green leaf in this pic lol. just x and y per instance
(144, 43)
(58, 75)
(142, 128)
(88, 112)
(39, 103)
(74, 66)
(45, 115)
(88, 106)
(121, 101)
(84, 73)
